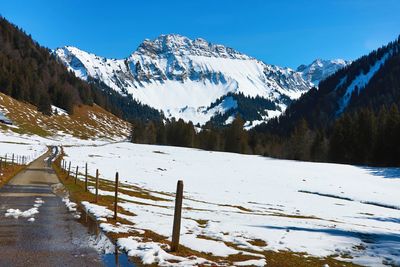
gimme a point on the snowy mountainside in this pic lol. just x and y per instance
(369, 82)
(183, 77)
(320, 69)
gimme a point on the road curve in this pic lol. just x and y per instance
(51, 237)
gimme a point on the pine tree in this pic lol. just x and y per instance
(300, 142)
(45, 104)
(236, 138)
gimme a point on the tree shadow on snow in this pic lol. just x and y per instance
(381, 219)
(390, 172)
(393, 238)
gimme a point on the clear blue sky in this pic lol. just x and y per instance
(281, 32)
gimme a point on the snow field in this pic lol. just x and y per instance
(321, 209)
(20, 147)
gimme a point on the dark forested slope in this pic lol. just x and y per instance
(353, 117)
(31, 73)
(369, 82)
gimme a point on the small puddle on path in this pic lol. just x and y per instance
(109, 254)
(104, 245)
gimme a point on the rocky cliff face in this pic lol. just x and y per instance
(320, 69)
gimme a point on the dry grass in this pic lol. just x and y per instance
(9, 172)
(85, 122)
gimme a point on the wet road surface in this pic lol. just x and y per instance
(51, 237)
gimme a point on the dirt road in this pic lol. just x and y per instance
(51, 237)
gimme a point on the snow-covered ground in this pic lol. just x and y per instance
(33, 146)
(321, 209)
(13, 142)
(20, 145)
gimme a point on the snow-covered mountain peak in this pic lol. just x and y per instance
(184, 77)
(178, 45)
(320, 69)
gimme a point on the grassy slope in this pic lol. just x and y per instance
(87, 122)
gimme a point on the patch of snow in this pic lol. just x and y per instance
(229, 120)
(360, 82)
(208, 246)
(102, 244)
(58, 111)
(151, 252)
(260, 262)
(120, 228)
(16, 213)
(71, 206)
(100, 212)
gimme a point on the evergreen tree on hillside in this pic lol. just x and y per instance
(319, 147)
(44, 104)
(236, 138)
(28, 72)
(300, 142)
(209, 139)
(389, 137)
(31, 73)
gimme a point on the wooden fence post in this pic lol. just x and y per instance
(177, 217)
(76, 174)
(116, 196)
(5, 161)
(12, 161)
(86, 177)
(97, 185)
(1, 163)
(69, 169)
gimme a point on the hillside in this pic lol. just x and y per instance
(30, 73)
(352, 118)
(86, 122)
(369, 82)
(193, 79)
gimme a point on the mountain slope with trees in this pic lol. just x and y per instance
(352, 118)
(182, 77)
(31, 73)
